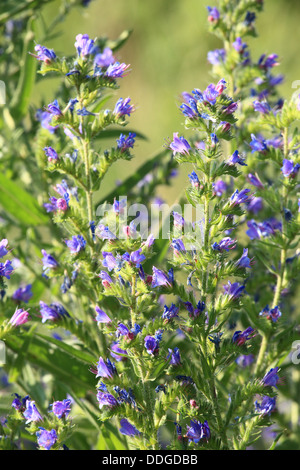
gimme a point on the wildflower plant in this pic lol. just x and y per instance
(176, 342)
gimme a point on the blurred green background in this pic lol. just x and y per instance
(168, 54)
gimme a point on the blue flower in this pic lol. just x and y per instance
(219, 187)
(216, 57)
(225, 244)
(271, 378)
(253, 179)
(211, 94)
(240, 337)
(266, 406)
(239, 197)
(289, 170)
(128, 429)
(51, 154)
(213, 14)
(116, 70)
(125, 143)
(61, 409)
(46, 439)
(244, 261)
(123, 107)
(175, 356)
(84, 45)
(236, 158)
(31, 413)
(48, 261)
(261, 107)
(52, 312)
(193, 177)
(44, 54)
(23, 294)
(6, 269)
(151, 344)
(101, 317)
(179, 145)
(106, 399)
(271, 314)
(76, 244)
(197, 431)
(105, 58)
(3, 245)
(159, 278)
(170, 312)
(234, 290)
(105, 369)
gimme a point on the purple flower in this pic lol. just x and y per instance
(3, 245)
(61, 409)
(178, 245)
(159, 278)
(106, 279)
(213, 14)
(219, 187)
(128, 429)
(258, 144)
(221, 86)
(268, 62)
(46, 439)
(179, 145)
(175, 357)
(288, 168)
(136, 257)
(236, 158)
(271, 378)
(106, 399)
(31, 413)
(76, 244)
(197, 431)
(105, 369)
(54, 109)
(109, 261)
(6, 269)
(255, 205)
(52, 312)
(271, 314)
(233, 290)
(116, 70)
(19, 317)
(19, 403)
(48, 261)
(253, 179)
(239, 197)
(44, 54)
(125, 143)
(231, 108)
(261, 107)
(117, 353)
(151, 344)
(123, 107)
(193, 177)
(84, 45)
(240, 337)
(51, 154)
(245, 360)
(239, 45)
(225, 244)
(101, 316)
(170, 312)
(45, 119)
(244, 261)
(216, 57)
(211, 94)
(105, 58)
(266, 406)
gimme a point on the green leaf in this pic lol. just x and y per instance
(22, 96)
(18, 203)
(56, 360)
